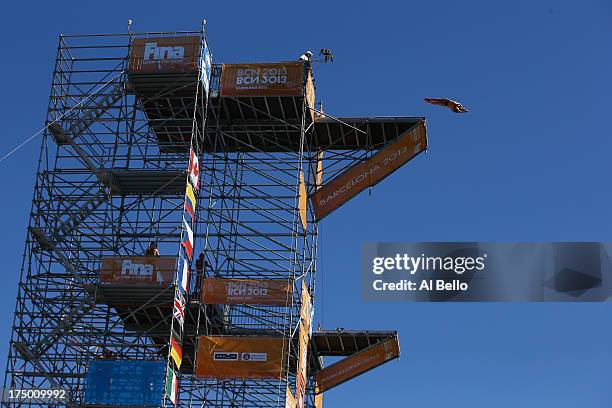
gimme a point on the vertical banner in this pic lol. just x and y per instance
(310, 94)
(319, 400)
(302, 365)
(303, 202)
(319, 174)
(181, 279)
(289, 399)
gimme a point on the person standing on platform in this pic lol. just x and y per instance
(200, 262)
(152, 250)
(306, 57)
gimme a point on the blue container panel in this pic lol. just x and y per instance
(122, 382)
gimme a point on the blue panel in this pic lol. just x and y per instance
(123, 382)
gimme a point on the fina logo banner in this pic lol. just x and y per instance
(145, 269)
(477, 272)
(164, 54)
(154, 53)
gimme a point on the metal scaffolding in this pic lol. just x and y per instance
(111, 180)
(105, 186)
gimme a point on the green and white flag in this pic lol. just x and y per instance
(172, 383)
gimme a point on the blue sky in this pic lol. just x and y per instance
(530, 162)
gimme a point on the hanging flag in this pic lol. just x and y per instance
(172, 383)
(179, 308)
(190, 202)
(183, 276)
(176, 352)
(187, 239)
(194, 170)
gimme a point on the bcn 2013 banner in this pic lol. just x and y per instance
(263, 79)
(230, 291)
(475, 272)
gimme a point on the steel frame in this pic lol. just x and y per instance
(104, 187)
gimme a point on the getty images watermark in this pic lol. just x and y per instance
(462, 271)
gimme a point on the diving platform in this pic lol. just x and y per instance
(169, 76)
(346, 342)
(168, 182)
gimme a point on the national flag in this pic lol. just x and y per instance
(187, 239)
(190, 202)
(172, 384)
(179, 308)
(176, 352)
(183, 277)
(194, 170)
(206, 67)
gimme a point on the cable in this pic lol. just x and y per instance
(81, 102)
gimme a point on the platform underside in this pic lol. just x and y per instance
(273, 135)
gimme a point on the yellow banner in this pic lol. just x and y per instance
(289, 399)
(302, 367)
(319, 400)
(303, 202)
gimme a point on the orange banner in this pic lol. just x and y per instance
(289, 399)
(164, 54)
(319, 174)
(265, 79)
(222, 291)
(303, 202)
(304, 337)
(310, 94)
(138, 269)
(240, 357)
(356, 364)
(367, 173)
(306, 305)
(319, 401)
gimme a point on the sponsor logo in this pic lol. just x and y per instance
(225, 356)
(254, 357)
(128, 268)
(153, 53)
